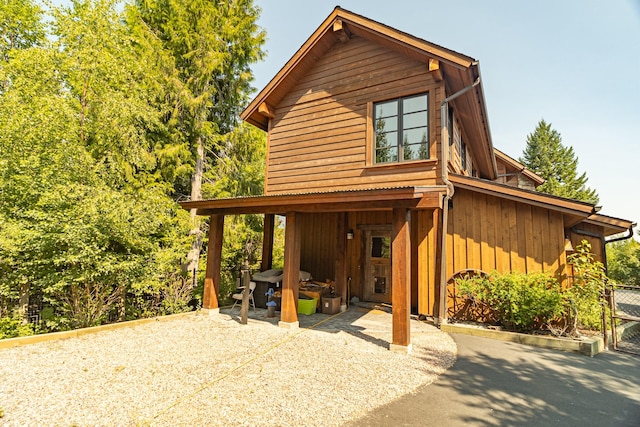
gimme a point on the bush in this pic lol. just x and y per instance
(13, 326)
(588, 285)
(521, 302)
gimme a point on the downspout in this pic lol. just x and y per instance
(444, 145)
(604, 242)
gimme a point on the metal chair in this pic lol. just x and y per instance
(238, 296)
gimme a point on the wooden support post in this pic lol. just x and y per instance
(401, 280)
(341, 261)
(267, 242)
(291, 274)
(440, 215)
(246, 280)
(214, 259)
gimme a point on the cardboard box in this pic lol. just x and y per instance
(330, 305)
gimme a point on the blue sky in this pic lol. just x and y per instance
(574, 63)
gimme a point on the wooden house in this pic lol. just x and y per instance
(381, 160)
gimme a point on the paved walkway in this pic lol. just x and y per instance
(495, 383)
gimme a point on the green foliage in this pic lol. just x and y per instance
(623, 262)
(206, 50)
(587, 287)
(557, 164)
(530, 301)
(98, 128)
(13, 325)
(522, 302)
(20, 26)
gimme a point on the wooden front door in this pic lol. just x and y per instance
(377, 265)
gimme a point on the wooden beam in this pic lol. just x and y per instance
(214, 260)
(290, 285)
(267, 110)
(401, 279)
(341, 30)
(434, 69)
(267, 242)
(440, 275)
(341, 261)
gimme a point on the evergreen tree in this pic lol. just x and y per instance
(210, 46)
(557, 164)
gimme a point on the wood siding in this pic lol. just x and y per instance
(318, 245)
(489, 233)
(318, 137)
(513, 177)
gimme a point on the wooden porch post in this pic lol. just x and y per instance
(341, 261)
(290, 281)
(440, 215)
(214, 258)
(401, 281)
(267, 242)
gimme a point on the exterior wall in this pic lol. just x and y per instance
(513, 177)
(425, 239)
(355, 247)
(318, 139)
(489, 233)
(455, 162)
(596, 243)
(484, 232)
(318, 245)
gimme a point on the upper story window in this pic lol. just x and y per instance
(463, 155)
(402, 129)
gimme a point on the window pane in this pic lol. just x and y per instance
(387, 109)
(380, 247)
(388, 139)
(417, 103)
(387, 125)
(416, 151)
(414, 120)
(386, 155)
(413, 136)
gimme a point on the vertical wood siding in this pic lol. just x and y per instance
(318, 245)
(318, 137)
(489, 233)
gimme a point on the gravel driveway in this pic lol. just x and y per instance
(209, 370)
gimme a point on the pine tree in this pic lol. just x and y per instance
(557, 164)
(211, 46)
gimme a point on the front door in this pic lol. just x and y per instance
(377, 277)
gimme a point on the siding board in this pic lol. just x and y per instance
(319, 133)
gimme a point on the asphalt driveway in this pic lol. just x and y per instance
(496, 383)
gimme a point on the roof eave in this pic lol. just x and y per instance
(363, 26)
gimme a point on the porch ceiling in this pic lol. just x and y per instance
(340, 201)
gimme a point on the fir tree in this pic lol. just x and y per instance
(557, 164)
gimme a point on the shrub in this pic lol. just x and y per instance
(588, 285)
(522, 302)
(12, 325)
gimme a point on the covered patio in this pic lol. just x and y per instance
(400, 202)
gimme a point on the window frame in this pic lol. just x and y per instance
(399, 145)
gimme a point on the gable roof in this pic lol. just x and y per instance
(459, 71)
(516, 165)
